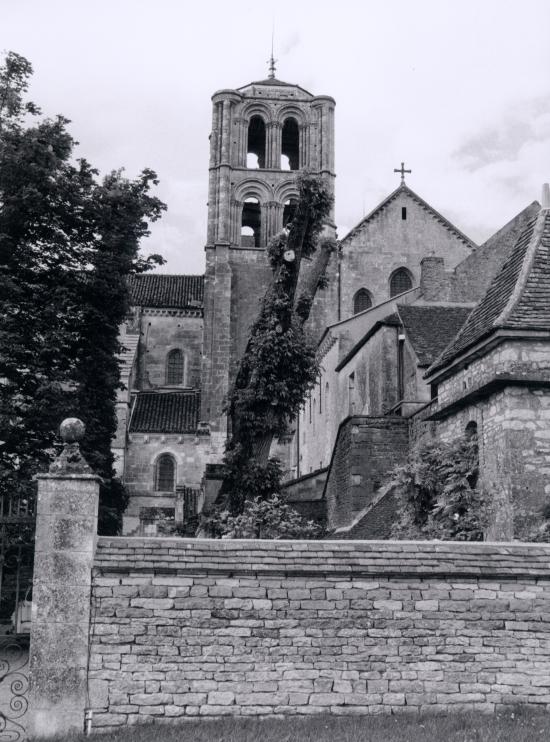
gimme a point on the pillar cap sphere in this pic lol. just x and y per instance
(72, 430)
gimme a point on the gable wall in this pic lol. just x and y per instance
(388, 242)
(161, 331)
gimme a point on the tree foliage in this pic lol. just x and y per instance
(271, 518)
(437, 492)
(279, 365)
(68, 242)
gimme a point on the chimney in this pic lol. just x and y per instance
(545, 201)
(433, 279)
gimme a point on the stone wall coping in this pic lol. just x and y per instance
(373, 558)
(47, 475)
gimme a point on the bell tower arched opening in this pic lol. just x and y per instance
(289, 210)
(255, 152)
(251, 223)
(290, 145)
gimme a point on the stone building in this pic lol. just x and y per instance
(402, 329)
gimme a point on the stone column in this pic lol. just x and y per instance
(66, 528)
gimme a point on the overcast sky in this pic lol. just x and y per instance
(458, 89)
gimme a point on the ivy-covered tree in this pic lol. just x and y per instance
(279, 365)
(68, 242)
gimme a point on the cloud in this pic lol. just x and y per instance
(528, 122)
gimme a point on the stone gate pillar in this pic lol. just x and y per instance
(66, 528)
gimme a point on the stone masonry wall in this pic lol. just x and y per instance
(186, 628)
(366, 450)
(372, 251)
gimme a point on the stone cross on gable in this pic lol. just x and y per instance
(402, 171)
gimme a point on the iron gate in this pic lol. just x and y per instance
(17, 525)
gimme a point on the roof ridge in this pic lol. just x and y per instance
(525, 271)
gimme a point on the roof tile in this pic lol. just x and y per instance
(165, 412)
(518, 297)
(160, 290)
(430, 328)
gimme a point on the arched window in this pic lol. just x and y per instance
(255, 151)
(361, 301)
(290, 145)
(174, 367)
(251, 223)
(289, 210)
(400, 281)
(165, 473)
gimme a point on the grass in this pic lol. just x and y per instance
(520, 725)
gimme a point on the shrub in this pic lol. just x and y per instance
(271, 518)
(438, 494)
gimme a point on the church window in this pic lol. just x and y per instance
(400, 281)
(289, 210)
(165, 473)
(255, 152)
(290, 145)
(403, 212)
(351, 394)
(361, 301)
(174, 367)
(251, 223)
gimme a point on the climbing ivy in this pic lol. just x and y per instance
(279, 365)
(437, 492)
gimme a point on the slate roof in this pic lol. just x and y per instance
(165, 412)
(404, 188)
(431, 328)
(159, 290)
(519, 296)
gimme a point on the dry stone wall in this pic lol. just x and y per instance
(183, 628)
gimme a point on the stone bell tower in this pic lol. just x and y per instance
(263, 135)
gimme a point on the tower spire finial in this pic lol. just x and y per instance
(272, 60)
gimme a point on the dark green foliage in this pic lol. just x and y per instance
(67, 245)
(247, 478)
(271, 518)
(279, 365)
(437, 493)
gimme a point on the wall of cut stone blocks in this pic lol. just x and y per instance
(367, 450)
(513, 423)
(163, 330)
(513, 427)
(373, 251)
(208, 628)
(191, 452)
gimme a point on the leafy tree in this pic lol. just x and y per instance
(68, 242)
(279, 364)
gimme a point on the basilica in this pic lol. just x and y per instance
(420, 332)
